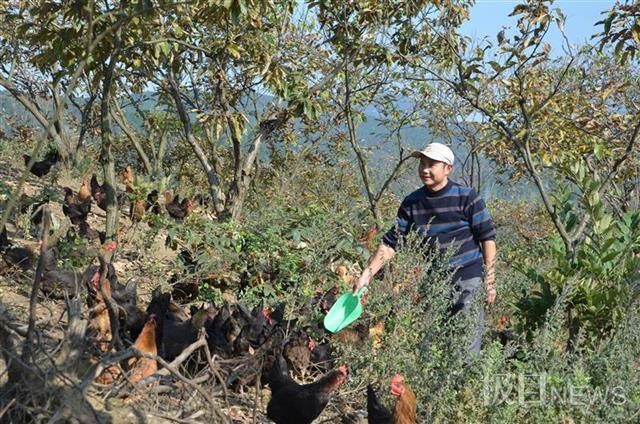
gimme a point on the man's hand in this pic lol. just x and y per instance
(382, 256)
(362, 281)
(491, 293)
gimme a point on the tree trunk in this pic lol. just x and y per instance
(215, 190)
(243, 175)
(106, 155)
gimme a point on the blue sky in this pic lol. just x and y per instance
(489, 16)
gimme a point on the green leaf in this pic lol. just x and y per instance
(598, 150)
(165, 47)
(608, 22)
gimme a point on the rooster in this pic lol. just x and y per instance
(142, 367)
(404, 411)
(293, 403)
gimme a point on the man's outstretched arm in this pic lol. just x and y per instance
(381, 257)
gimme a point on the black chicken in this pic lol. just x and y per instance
(91, 234)
(152, 204)
(77, 212)
(132, 318)
(293, 403)
(217, 331)
(56, 282)
(98, 192)
(179, 335)
(35, 208)
(42, 168)
(377, 413)
(15, 256)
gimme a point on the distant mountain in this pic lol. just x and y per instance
(372, 136)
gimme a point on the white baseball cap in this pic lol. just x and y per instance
(436, 151)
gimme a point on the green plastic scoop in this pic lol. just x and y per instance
(346, 310)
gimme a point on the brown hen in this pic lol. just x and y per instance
(142, 367)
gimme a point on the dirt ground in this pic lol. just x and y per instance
(137, 258)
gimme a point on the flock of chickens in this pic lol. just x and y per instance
(164, 329)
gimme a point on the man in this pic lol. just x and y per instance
(447, 214)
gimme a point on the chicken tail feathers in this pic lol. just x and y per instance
(279, 375)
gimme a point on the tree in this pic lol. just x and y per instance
(622, 29)
(543, 114)
(50, 54)
(374, 40)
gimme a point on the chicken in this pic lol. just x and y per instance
(177, 210)
(15, 256)
(98, 192)
(298, 352)
(377, 413)
(132, 318)
(249, 329)
(35, 208)
(96, 188)
(89, 233)
(404, 411)
(184, 289)
(91, 271)
(321, 355)
(217, 331)
(42, 168)
(84, 193)
(293, 403)
(99, 320)
(56, 282)
(142, 367)
(127, 175)
(152, 204)
(137, 210)
(260, 326)
(164, 308)
(367, 239)
(176, 336)
(127, 294)
(77, 212)
(356, 335)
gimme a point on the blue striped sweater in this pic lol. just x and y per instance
(454, 216)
